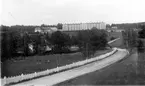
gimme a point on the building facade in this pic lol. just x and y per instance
(83, 26)
(45, 29)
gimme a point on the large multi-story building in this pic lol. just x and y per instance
(83, 26)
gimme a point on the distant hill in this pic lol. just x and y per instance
(128, 25)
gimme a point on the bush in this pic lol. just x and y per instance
(141, 46)
(142, 32)
(60, 50)
(112, 38)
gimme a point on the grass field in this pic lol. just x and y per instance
(33, 64)
(118, 43)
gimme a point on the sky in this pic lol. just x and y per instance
(37, 12)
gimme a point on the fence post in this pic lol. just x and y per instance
(5, 81)
(47, 71)
(35, 74)
(73, 64)
(57, 69)
(22, 76)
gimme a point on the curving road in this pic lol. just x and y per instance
(73, 73)
(119, 73)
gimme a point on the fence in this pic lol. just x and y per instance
(14, 79)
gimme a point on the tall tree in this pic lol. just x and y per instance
(142, 32)
(59, 26)
(91, 40)
(60, 41)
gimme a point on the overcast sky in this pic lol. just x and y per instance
(37, 12)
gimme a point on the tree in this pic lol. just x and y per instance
(5, 46)
(60, 41)
(74, 40)
(36, 38)
(141, 40)
(91, 40)
(59, 26)
(26, 42)
(130, 38)
(9, 43)
(142, 32)
(98, 38)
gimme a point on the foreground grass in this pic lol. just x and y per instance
(33, 64)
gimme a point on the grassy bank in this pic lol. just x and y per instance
(39, 63)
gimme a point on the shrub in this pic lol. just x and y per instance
(112, 38)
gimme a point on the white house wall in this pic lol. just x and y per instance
(83, 26)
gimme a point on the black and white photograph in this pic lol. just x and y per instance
(72, 42)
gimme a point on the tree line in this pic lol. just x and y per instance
(14, 40)
(129, 25)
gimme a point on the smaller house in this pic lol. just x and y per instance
(43, 44)
(38, 29)
(45, 29)
(114, 27)
(31, 47)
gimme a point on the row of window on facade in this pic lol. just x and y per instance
(83, 26)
